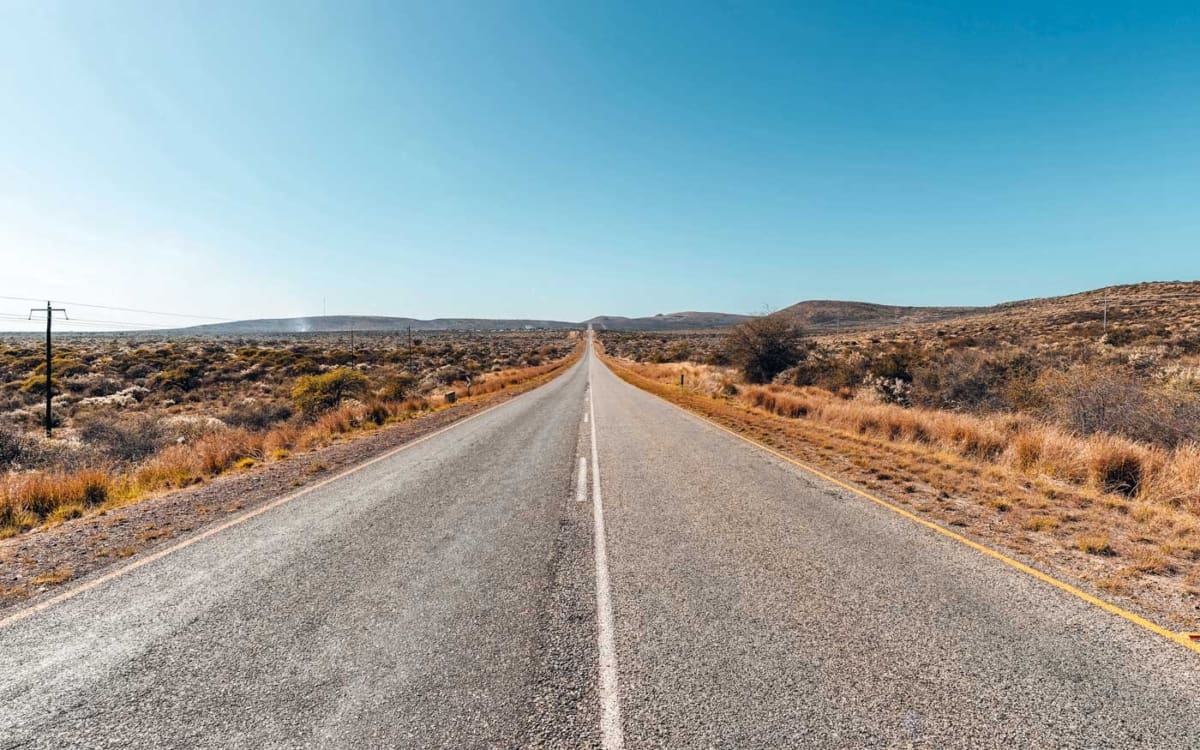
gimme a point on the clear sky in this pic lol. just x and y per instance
(569, 159)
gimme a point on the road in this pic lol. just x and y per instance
(470, 591)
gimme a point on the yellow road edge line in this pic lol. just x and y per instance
(1182, 639)
(90, 584)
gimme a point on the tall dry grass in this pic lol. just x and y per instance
(1104, 463)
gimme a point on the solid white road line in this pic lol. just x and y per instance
(581, 481)
(611, 736)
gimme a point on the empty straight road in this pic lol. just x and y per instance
(463, 592)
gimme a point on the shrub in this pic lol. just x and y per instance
(218, 451)
(184, 378)
(256, 415)
(1096, 544)
(377, 413)
(897, 362)
(36, 384)
(398, 388)
(129, 439)
(1093, 399)
(764, 347)
(973, 381)
(1117, 465)
(1177, 483)
(315, 394)
(43, 493)
(827, 370)
(11, 446)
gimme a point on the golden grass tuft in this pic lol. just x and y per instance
(1095, 544)
(1177, 483)
(53, 577)
(1040, 523)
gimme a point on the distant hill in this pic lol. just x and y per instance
(835, 314)
(335, 323)
(1158, 313)
(671, 322)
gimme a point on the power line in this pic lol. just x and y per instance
(122, 309)
(89, 322)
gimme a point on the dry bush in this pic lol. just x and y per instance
(1119, 466)
(172, 468)
(976, 381)
(1096, 399)
(827, 369)
(398, 388)
(1048, 451)
(38, 495)
(764, 347)
(11, 446)
(1178, 482)
(209, 455)
(217, 452)
(256, 415)
(129, 438)
(280, 442)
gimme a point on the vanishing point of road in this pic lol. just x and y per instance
(585, 566)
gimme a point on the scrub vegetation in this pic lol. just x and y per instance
(137, 416)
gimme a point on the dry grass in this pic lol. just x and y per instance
(1105, 463)
(54, 577)
(1096, 544)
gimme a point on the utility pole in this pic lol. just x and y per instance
(49, 359)
(1105, 311)
(408, 366)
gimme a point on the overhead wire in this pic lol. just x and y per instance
(139, 311)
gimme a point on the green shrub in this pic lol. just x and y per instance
(184, 378)
(314, 394)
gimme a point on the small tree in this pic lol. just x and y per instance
(317, 393)
(764, 347)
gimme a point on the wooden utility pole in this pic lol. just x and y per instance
(49, 360)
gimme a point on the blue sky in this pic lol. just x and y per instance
(563, 160)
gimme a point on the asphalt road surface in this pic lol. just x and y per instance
(485, 588)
